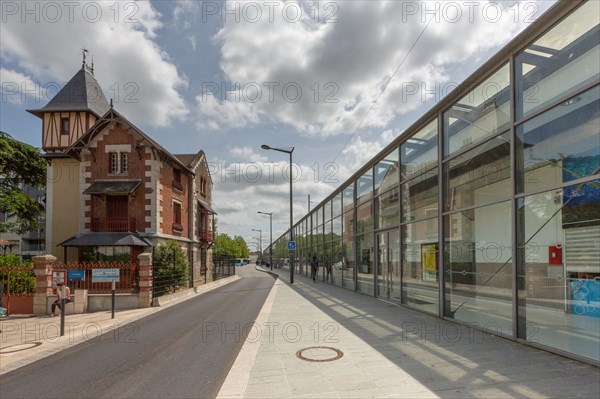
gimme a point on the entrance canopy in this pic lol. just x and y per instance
(105, 240)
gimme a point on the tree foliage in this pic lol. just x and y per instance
(227, 247)
(20, 164)
(170, 268)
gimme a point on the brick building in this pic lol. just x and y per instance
(112, 191)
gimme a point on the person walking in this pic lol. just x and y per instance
(314, 267)
(67, 297)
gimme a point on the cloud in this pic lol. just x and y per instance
(131, 68)
(14, 86)
(323, 76)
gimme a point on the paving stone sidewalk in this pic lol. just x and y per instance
(388, 352)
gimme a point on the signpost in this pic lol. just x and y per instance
(76, 275)
(107, 276)
(292, 245)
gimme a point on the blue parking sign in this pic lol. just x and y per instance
(292, 245)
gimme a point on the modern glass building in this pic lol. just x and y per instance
(486, 211)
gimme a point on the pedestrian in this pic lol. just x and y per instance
(314, 266)
(67, 297)
(328, 269)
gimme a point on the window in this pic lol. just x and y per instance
(118, 162)
(203, 186)
(114, 162)
(177, 179)
(177, 227)
(64, 125)
(124, 162)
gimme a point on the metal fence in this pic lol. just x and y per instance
(79, 276)
(224, 267)
(168, 274)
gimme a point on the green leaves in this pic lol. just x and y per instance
(20, 165)
(227, 247)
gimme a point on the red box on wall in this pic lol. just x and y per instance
(555, 254)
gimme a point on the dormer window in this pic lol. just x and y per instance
(64, 126)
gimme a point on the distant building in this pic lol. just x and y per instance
(112, 191)
(31, 243)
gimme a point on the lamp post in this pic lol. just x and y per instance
(287, 150)
(270, 236)
(259, 241)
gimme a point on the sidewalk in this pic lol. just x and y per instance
(388, 352)
(25, 340)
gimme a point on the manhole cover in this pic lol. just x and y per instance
(19, 347)
(319, 354)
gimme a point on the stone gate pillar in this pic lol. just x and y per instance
(145, 295)
(42, 268)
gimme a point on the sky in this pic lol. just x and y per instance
(336, 80)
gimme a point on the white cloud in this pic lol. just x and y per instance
(131, 68)
(247, 153)
(341, 67)
(15, 87)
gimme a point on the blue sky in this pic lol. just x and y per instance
(337, 80)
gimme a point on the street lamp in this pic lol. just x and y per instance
(270, 236)
(287, 150)
(259, 241)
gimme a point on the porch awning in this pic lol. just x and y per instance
(113, 187)
(105, 240)
(207, 207)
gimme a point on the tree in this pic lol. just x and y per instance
(227, 247)
(170, 268)
(20, 165)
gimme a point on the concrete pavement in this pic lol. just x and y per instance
(388, 352)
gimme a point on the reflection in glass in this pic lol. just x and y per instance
(479, 176)
(348, 263)
(478, 266)
(420, 152)
(559, 268)
(562, 61)
(482, 113)
(560, 145)
(364, 187)
(348, 197)
(386, 172)
(364, 217)
(366, 263)
(420, 197)
(337, 205)
(387, 208)
(420, 280)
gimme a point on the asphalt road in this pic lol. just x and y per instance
(183, 351)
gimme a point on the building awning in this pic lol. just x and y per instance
(112, 187)
(207, 207)
(105, 240)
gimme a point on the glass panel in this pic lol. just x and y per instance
(327, 231)
(478, 261)
(348, 195)
(348, 224)
(560, 145)
(364, 217)
(559, 269)
(563, 60)
(386, 172)
(420, 281)
(420, 152)
(327, 209)
(364, 187)
(388, 265)
(479, 176)
(348, 263)
(387, 207)
(420, 197)
(366, 263)
(337, 265)
(337, 205)
(337, 228)
(480, 114)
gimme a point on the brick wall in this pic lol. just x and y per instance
(170, 195)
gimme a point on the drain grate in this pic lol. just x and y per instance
(319, 354)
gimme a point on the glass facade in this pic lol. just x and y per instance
(487, 211)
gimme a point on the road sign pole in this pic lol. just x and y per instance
(63, 292)
(113, 300)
